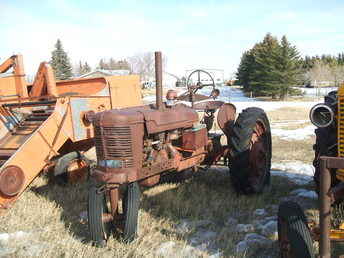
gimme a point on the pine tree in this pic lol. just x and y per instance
(264, 78)
(102, 65)
(289, 67)
(60, 62)
(270, 68)
(245, 69)
(86, 68)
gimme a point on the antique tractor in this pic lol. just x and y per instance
(296, 235)
(136, 146)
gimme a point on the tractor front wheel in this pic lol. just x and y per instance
(97, 212)
(106, 213)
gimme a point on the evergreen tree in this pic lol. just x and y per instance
(289, 67)
(102, 65)
(245, 69)
(264, 78)
(86, 68)
(270, 67)
(60, 62)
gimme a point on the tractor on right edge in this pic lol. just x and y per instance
(295, 233)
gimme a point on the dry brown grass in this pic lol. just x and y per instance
(301, 150)
(288, 113)
(50, 213)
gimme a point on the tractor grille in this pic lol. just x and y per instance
(114, 143)
(340, 172)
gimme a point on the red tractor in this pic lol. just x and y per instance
(135, 146)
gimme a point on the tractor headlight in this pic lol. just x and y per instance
(110, 163)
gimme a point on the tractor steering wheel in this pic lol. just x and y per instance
(193, 88)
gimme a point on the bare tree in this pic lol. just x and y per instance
(320, 74)
(143, 65)
(337, 74)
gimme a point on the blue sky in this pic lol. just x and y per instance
(192, 34)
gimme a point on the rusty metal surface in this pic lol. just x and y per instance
(258, 156)
(150, 181)
(208, 105)
(196, 97)
(325, 208)
(194, 139)
(169, 119)
(226, 118)
(12, 179)
(158, 80)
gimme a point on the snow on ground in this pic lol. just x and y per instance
(317, 91)
(237, 97)
(296, 171)
(297, 134)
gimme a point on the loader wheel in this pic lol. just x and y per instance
(294, 236)
(98, 224)
(131, 203)
(250, 144)
(71, 168)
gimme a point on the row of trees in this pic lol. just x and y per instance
(324, 70)
(141, 64)
(273, 67)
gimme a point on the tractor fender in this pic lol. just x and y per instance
(226, 118)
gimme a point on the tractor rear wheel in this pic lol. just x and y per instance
(294, 236)
(250, 143)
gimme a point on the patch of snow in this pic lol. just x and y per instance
(187, 225)
(253, 242)
(296, 171)
(165, 248)
(216, 255)
(202, 236)
(317, 91)
(241, 247)
(270, 230)
(245, 228)
(231, 222)
(271, 105)
(297, 134)
(5, 237)
(260, 212)
(83, 217)
(297, 191)
(309, 194)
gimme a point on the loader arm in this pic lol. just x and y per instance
(30, 149)
(44, 83)
(7, 64)
(16, 62)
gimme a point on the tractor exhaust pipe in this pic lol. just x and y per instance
(321, 115)
(158, 80)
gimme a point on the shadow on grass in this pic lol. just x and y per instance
(207, 196)
(72, 198)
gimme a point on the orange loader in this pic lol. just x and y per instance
(47, 124)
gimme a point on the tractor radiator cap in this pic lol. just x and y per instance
(12, 179)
